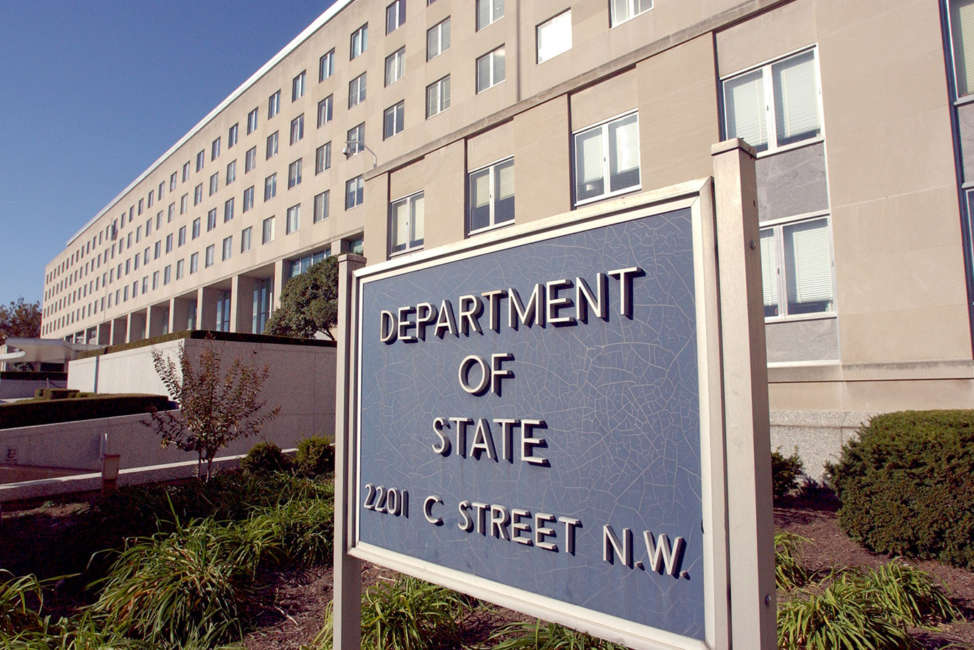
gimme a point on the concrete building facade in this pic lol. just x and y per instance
(386, 127)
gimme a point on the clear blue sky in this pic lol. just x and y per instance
(93, 91)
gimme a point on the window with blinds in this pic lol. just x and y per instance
(796, 268)
(491, 196)
(962, 39)
(776, 105)
(607, 159)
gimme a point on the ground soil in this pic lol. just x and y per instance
(291, 610)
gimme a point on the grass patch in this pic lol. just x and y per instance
(549, 636)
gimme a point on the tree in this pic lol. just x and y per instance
(309, 303)
(215, 408)
(20, 318)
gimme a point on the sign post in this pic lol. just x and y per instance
(536, 419)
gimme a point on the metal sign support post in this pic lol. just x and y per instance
(347, 579)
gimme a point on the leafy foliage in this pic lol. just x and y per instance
(788, 570)
(21, 599)
(20, 319)
(916, 467)
(309, 303)
(216, 408)
(263, 459)
(315, 456)
(785, 473)
(408, 614)
(908, 594)
(535, 636)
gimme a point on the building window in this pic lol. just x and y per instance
(355, 139)
(183, 207)
(438, 39)
(228, 210)
(170, 212)
(395, 66)
(392, 120)
(227, 247)
(196, 228)
(140, 206)
(325, 107)
(406, 223)
(185, 172)
(607, 159)
(323, 157)
(326, 65)
(250, 159)
(491, 192)
(248, 198)
(623, 10)
(232, 134)
(180, 267)
(198, 194)
(168, 248)
(354, 192)
(775, 105)
(214, 183)
(194, 263)
(395, 15)
(211, 220)
(267, 230)
(554, 36)
(490, 69)
(297, 129)
(271, 145)
(208, 256)
(200, 160)
(438, 96)
(261, 305)
(155, 283)
(270, 187)
(796, 268)
(356, 90)
(297, 87)
(321, 207)
(172, 181)
(251, 121)
(274, 104)
(166, 274)
(489, 11)
(231, 171)
(181, 236)
(223, 312)
(293, 219)
(294, 173)
(215, 149)
(359, 41)
(245, 235)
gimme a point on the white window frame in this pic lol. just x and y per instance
(358, 42)
(320, 210)
(606, 168)
(633, 11)
(298, 86)
(323, 157)
(770, 119)
(233, 133)
(442, 44)
(493, 14)
(293, 219)
(250, 159)
(356, 90)
(777, 226)
(492, 199)
(214, 149)
(245, 239)
(252, 121)
(491, 69)
(358, 194)
(248, 199)
(551, 22)
(194, 264)
(395, 66)
(413, 243)
(395, 15)
(227, 247)
(267, 230)
(297, 129)
(325, 110)
(272, 146)
(294, 173)
(270, 186)
(326, 65)
(357, 144)
(440, 104)
(231, 172)
(398, 119)
(274, 104)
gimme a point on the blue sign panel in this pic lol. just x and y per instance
(530, 416)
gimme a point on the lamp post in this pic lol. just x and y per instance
(352, 147)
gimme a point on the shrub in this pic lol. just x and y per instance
(785, 473)
(315, 456)
(21, 598)
(27, 413)
(788, 571)
(264, 458)
(915, 467)
(529, 635)
(908, 594)
(408, 614)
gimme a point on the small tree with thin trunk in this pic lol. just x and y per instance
(215, 407)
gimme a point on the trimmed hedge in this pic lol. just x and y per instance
(315, 456)
(34, 412)
(264, 458)
(237, 337)
(907, 485)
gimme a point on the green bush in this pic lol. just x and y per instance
(408, 614)
(27, 413)
(905, 485)
(315, 456)
(264, 458)
(785, 473)
(788, 570)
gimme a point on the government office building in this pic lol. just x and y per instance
(389, 127)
